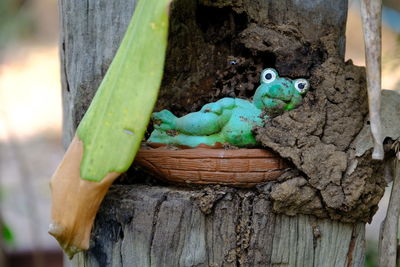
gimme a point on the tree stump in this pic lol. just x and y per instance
(217, 49)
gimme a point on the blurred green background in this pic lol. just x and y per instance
(16, 21)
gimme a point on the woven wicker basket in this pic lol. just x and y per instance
(240, 167)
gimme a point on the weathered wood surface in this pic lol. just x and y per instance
(388, 241)
(371, 14)
(140, 225)
(157, 226)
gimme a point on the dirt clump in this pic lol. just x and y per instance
(316, 137)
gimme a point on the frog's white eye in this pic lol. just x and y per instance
(301, 85)
(268, 75)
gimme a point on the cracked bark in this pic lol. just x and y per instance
(145, 223)
(235, 233)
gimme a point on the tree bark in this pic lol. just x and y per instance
(162, 225)
(158, 226)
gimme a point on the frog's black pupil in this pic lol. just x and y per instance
(301, 85)
(268, 76)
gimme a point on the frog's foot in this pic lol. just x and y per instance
(162, 137)
(164, 120)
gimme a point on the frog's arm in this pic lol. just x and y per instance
(209, 120)
(219, 106)
(295, 102)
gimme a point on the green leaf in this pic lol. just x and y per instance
(8, 235)
(114, 125)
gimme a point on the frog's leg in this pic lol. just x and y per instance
(202, 123)
(196, 128)
(164, 120)
(191, 130)
(209, 120)
(203, 127)
(163, 137)
(219, 106)
(193, 141)
(196, 123)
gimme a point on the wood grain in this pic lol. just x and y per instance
(157, 226)
(371, 14)
(388, 241)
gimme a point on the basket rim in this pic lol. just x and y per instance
(197, 153)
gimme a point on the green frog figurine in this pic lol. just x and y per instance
(230, 120)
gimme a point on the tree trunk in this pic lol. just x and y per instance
(158, 226)
(214, 51)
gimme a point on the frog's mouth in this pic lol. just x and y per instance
(279, 102)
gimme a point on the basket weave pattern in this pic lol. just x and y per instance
(241, 167)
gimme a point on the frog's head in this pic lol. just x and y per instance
(276, 94)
